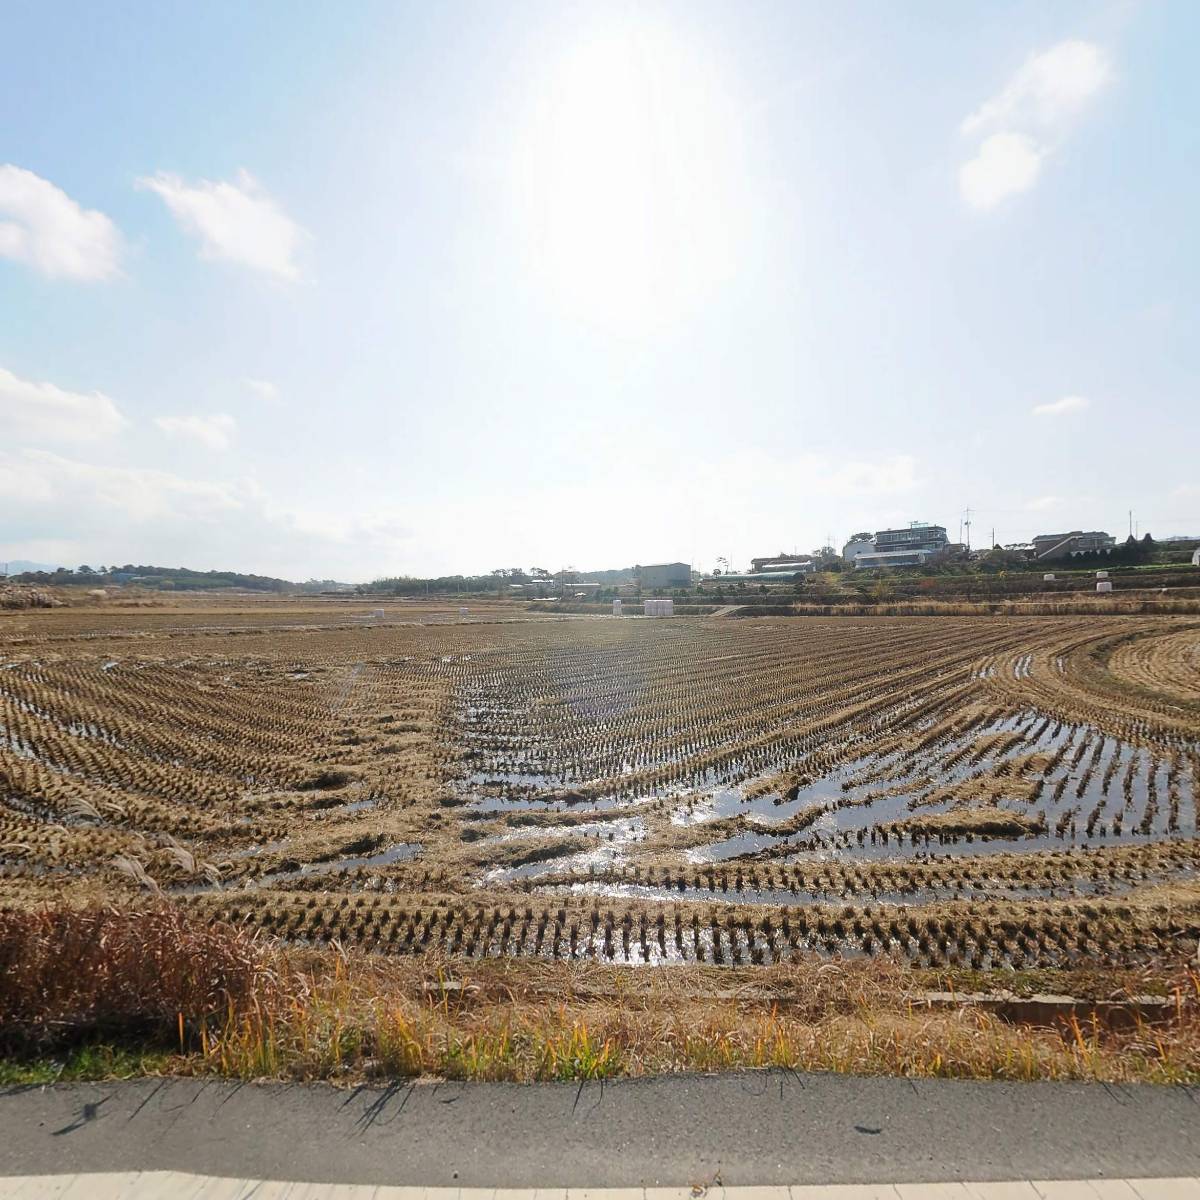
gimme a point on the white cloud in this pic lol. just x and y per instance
(41, 225)
(1056, 408)
(1049, 90)
(768, 500)
(91, 512)
(1043, 503)
(264, 389)
(92, 495)
(215, 431)
(1027, 120)
(31, 410)
(238, 222)
(1006, 163)
(897, 473)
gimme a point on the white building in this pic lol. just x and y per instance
(860, 543)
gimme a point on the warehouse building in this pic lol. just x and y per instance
(665, 575)
(1062, 545)
(893, 558)
(764, 577)
(783, 562)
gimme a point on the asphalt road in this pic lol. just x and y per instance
(743, 1129)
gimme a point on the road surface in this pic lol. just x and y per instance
(752, 1128)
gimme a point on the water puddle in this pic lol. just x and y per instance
(399, 852)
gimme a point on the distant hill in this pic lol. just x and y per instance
(17, 566)
(177, 578)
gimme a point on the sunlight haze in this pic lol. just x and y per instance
(345, 292)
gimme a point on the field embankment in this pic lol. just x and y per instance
(1111, 605)
(152, 989)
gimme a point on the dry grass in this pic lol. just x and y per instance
(1140, 604)
(223, 1002)
(94, 970)
(977, 822)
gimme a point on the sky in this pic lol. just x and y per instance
(350, 291)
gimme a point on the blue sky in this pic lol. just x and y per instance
(369, 289)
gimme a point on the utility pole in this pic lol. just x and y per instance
(967, 523)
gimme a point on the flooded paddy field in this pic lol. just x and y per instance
(996, 792)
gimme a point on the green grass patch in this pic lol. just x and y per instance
(84, 1064)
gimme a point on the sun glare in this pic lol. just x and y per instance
(627, 178)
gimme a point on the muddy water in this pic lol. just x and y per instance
(399, 852)
(622, 831)
(1093, 773)
(1095, 790)
(723, 892)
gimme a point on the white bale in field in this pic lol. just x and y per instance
(616, 608)
(668, 608)
(1104, 585)
(378, 614)
(1048, 577)
(1101, 574)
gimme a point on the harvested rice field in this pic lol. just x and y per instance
(976, 792)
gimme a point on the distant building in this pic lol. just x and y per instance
(914, 536)
(665, 575)
(911, 546)
(893, 558)
(772, 577)
(1062, 545)
(783, 562)
(859, 543)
